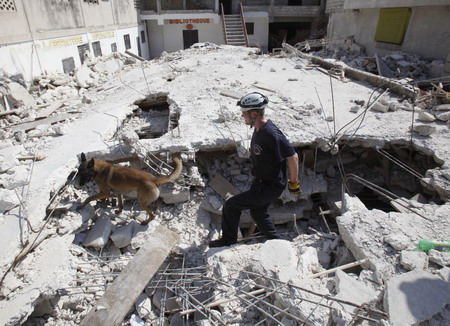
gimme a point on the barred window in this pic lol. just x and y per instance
(7, 5)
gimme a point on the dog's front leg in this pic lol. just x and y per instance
(120, 202)
(100, 195)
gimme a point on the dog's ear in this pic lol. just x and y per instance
(90, 165)
(83, 157)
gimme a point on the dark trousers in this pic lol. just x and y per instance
(257, 199)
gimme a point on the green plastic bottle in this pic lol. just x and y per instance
(426, 245)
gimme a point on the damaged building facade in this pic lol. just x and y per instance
(382, 27)
(50, 35)
(175, 25)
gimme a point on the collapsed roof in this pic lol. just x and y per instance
(186, 102)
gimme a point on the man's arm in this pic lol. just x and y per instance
(292, 163)
(293, 184)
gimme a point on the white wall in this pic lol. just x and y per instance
(166, 36)
(47, 55)
(260, 38)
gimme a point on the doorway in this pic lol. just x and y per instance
(226, 7)
(190, 37)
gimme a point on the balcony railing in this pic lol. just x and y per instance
(177, 5)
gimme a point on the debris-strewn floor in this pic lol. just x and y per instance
(58, 261)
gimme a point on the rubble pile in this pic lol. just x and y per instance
(401, 65)
(337, 262)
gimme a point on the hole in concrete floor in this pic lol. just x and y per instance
(152, 118)
(395, 168)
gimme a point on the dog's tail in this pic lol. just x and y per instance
(175, 173)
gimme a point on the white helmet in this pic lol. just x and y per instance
(253, 101)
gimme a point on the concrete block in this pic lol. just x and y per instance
(426, 117)
(440, 258)
(20, 95)
(352, 290)
(18, 179)
(8, 200)
(442, 107)
(98, 235)
(143, 305)
(443, 116)
(215, 202)
(412, 260)
(123, 235)
(8, 157)
(414, 297)
(424, 130)
(380, 107)
(174, 196)
(398, 241)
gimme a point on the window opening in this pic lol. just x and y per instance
(68, 65)
(250, 28)
(96, 47)
(82, 50)
(126, 39)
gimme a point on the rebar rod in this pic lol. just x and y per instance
(399, 163)
(389, 195)
(313, 292)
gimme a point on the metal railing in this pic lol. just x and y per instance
(244, 27)
(223, 24)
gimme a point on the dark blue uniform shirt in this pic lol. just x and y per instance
(269, 150)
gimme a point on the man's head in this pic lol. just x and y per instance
(252, 106)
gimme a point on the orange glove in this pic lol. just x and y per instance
(294, 187)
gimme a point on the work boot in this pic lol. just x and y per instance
(222, 242)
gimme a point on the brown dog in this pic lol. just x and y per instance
(118, 179)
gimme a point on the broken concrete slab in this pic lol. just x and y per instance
(352, 290)
(443, 116)
(426, 117)
(175, 195)
(126, 288)
(50, 271)
(364, 232)
(47, 121)
(412, 260)
(20, 95)
(424, 130)
(8, 200)
(123, 235)
(98, 235)
(414, 297)
(440, 258)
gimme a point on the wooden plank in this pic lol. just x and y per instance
(225, 189)
(264, 88)
(44, 113)
(111, 309)
(231, 94)
(8, 112)
(31, 125)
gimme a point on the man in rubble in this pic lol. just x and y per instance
(272, 155)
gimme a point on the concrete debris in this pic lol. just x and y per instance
(414, 260)
(424, 130)
(100, 109)
(426, 117)
(414, 297)
(350, 289)
(98, 235)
